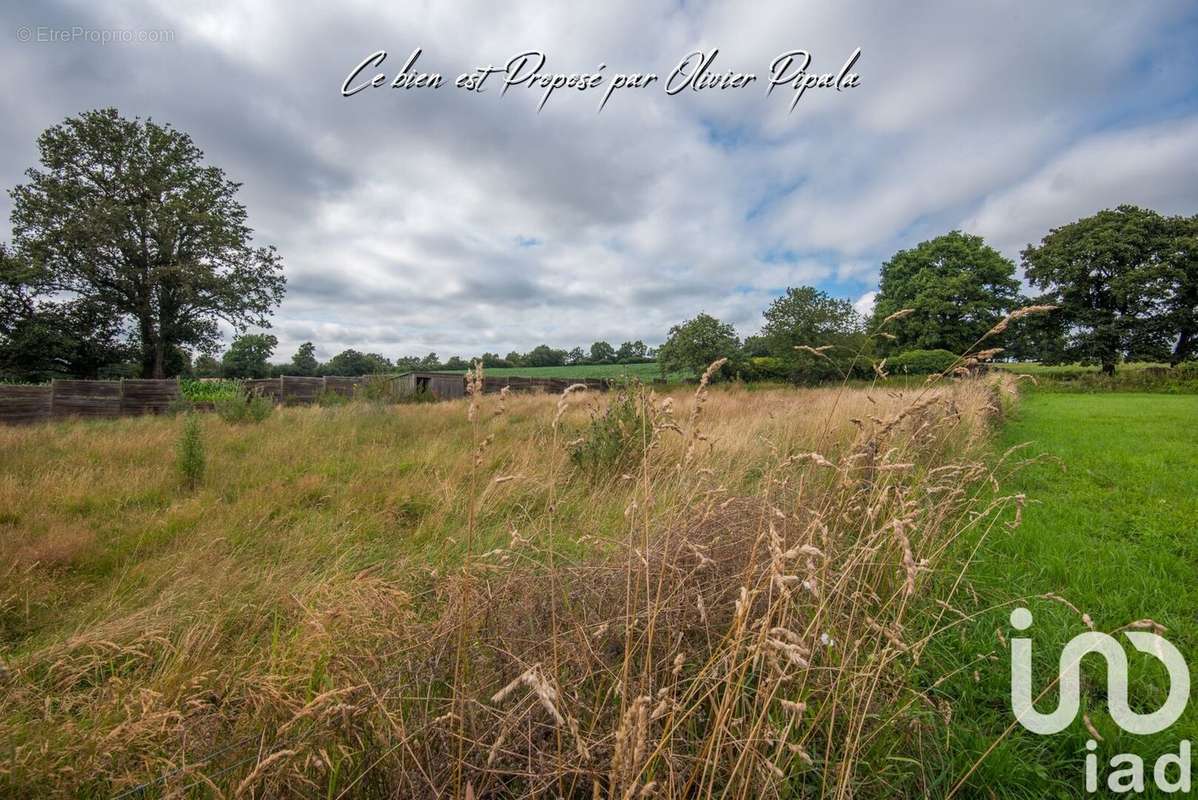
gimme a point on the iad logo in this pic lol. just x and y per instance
(1116, 677)
(1131, 777)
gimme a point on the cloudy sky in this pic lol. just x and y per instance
(443, 220)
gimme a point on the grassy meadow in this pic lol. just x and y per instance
(691, 594)
(1107, 531)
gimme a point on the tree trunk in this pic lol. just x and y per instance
(1108, 368)
(160, 358)
(1181, 351)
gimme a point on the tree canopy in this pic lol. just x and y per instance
(698, 342)
(125, 213)
(249, 356)
(958, 288)
(805, 316)
(1126, 280)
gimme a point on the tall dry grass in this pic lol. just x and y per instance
(433, 602)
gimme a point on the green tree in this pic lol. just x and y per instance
(304, 362)
(126, 214)
(43, 338)
(576, 356)
(1038, 337)
(1125, 282)
(249, 356)
(351, 363)
(602, 353)
(631, 352)
(514, 358)
(430, 362)
(456, 363)
(696, 343)
(545, 356)
(206, 367)
(805, 316)
(958, 286)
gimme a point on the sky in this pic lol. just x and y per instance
(443, 220)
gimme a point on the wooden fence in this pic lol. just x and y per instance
(544, 385)
(64, 399)
(293, 390)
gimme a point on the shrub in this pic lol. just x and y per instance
(330, 399)
(209, 391)
(376, 389)
(920, 362)
(190, 452)
(614, 439)
(241, 409)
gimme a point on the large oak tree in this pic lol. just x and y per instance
(126, 213)
(1126, 280)
(958, 288)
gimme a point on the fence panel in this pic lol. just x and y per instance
(300, 390)
(148, 396)
(23, 405)
(86, 399)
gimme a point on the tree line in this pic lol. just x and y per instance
(128, 251)
(249, 357)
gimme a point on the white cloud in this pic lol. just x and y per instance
(1153, 165)
(399, 215)
(865, 303)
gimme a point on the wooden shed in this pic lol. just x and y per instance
(441, 385)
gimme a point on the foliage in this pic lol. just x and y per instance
(106, 181)
(241, 409)
(376, 389)
(920, 362)
(41, 338)
(206, 366)
(807, 317)
(698, 342)
(602, 353)
(304, 363)
(190, 460)
(632, 352)
(616, 438)
(210, 391)
(646, 371)
(1038, 337)
(958, 288)
(1130, 377)
(1127, 283)
(545, 356)
(249, 356)
(351, 363)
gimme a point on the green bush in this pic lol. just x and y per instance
(614, 440)
(236, 410)
(330, 399)
(190, 452)
(920, 362)
(196, 391)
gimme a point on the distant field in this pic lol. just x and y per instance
(646, 372)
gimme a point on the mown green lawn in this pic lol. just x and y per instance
(1111, 525)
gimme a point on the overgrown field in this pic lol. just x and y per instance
(537, 596)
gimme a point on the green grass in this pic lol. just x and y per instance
(1110, 525)
(645, 372)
